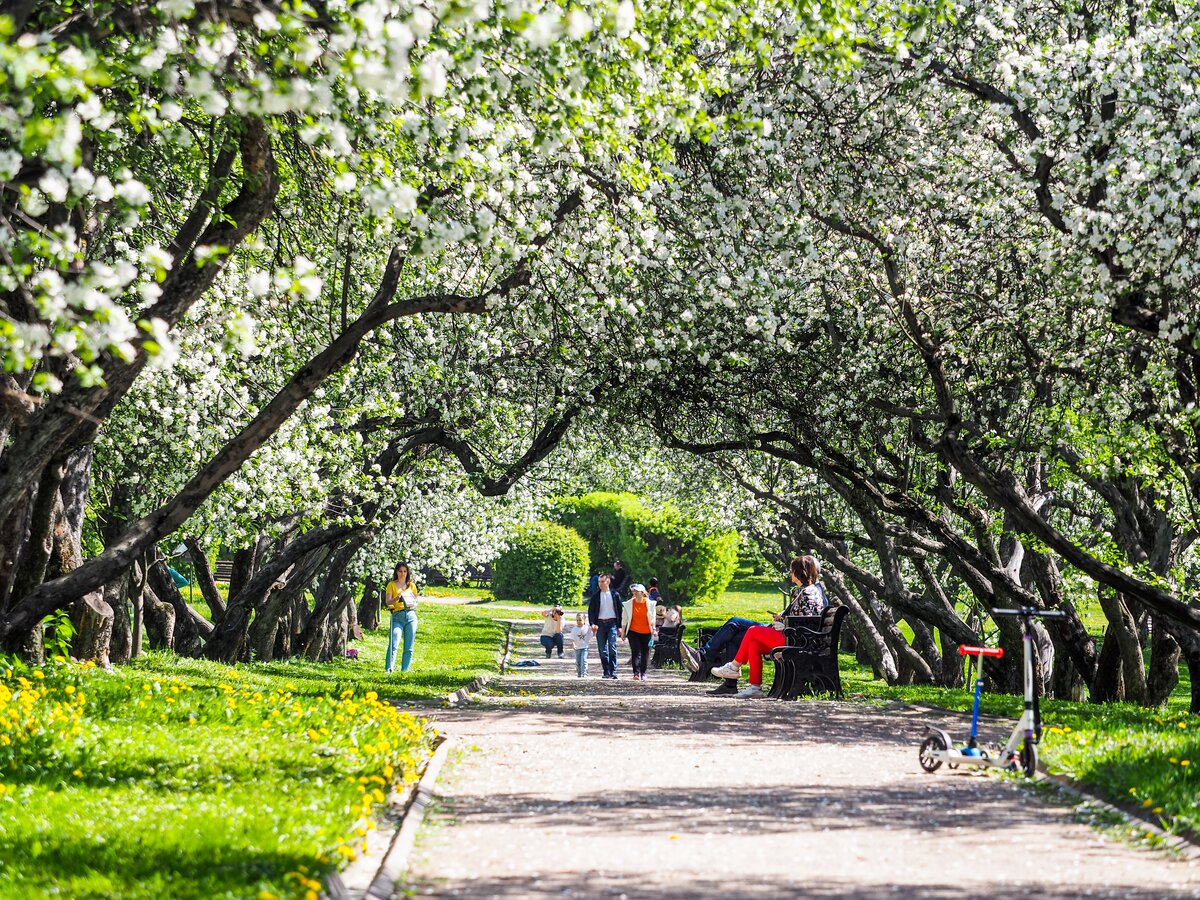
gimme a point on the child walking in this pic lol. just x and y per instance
(581, 638)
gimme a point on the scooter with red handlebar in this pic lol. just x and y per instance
(1021, 750)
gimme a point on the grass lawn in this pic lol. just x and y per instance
(188, 779)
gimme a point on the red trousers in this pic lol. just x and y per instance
(757, 642)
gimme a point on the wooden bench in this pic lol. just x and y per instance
(808, 662)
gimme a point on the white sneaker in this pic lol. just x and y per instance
(731, 669)
(750, 692)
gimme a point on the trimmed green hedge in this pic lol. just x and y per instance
(544, 562)
(692, 562)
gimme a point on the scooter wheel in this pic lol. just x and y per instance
(929, 746)
(1029, 759)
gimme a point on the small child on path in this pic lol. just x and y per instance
(581, 638)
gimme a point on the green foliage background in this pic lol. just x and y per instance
(693, 563)
(545, 562)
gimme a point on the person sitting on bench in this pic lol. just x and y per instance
(720, 647)
(808, 599)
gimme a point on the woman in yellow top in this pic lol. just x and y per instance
(637, 627)
(401, 599)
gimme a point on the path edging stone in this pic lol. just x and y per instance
(464, 693)
(395, 860)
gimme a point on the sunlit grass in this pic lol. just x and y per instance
(186, 778)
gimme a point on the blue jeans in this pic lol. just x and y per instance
(724, 644)
(552, 641)
(404, 627)
(606, 644)
(581, 661)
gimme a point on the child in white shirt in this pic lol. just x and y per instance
(581, 638)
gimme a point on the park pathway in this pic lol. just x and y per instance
(621, 789)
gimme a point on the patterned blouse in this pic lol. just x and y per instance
(807, 601)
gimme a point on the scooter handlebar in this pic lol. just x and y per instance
(1031, 612)
(965, 650)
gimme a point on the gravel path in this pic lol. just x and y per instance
(591, 788)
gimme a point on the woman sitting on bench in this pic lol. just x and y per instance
(808, 599)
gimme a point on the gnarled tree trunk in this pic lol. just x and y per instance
(1123, 629)
(368, 609)
(159, 618)
(93, 630)
(204, 578)
(116, 595)
(1164, 663)
(186, 621)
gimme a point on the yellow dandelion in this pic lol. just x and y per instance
(1158, 810)
(1185, 762)
(1147, 803)
(77, 773)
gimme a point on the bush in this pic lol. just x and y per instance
(693, 563)
(544, 562)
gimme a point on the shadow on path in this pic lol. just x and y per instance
(591, 788)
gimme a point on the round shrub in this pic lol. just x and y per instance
(693, 562)
(544, 562)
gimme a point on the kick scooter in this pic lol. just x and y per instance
(1021, 749)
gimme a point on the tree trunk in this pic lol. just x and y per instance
(269, 619)
(159, 621)
(116, 595)
(93, 630)
(871, 641)
(328, 598)
(292, 626)
(912, 666)
(1108, 686)
(951, 674)
(35, 541)
(242, 570)
(67, 536)
(1189, 645)
(1123, 628)
(205, 579)
(1164, 663)
(229, 637)
(281, 616)
(14, 535)
(186, 628)
(368, 609)
(1065, 681)
(924, 644)
(137, 597)
(329, 640)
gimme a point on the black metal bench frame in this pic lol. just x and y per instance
(703, 636)
(808, 662)
(666, 646)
